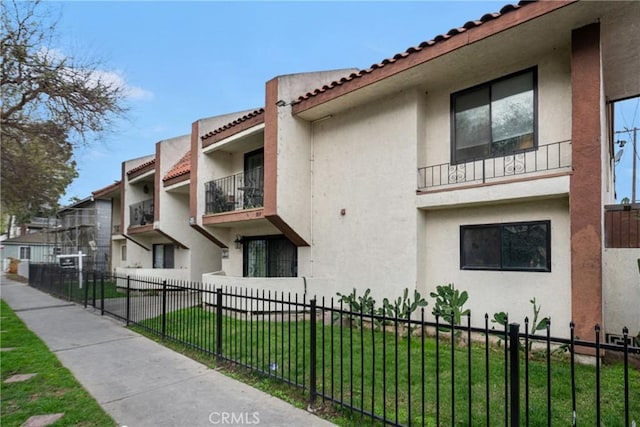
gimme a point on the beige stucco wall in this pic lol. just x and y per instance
(554, 101)
(137, 256)
(494, 291)
(116, 253)
(133, 193)
(232, 266)
(201, 254)
(621, 290)
(364, 162)
(150, 278)
(208, 168)
(279, 287)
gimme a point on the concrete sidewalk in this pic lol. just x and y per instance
(138, 381)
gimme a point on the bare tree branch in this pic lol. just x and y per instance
(48, 99)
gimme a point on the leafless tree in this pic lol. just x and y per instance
(51, 103)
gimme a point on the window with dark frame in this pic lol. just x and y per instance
(163, 256)
(495, 119)
(269, 256)
(516, 246)
(253, 185)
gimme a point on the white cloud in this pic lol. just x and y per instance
(93, 154)
(117, 80)
(114, 79)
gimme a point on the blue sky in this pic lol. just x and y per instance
(181, 61)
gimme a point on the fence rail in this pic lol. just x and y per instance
(622, 226)
(544, 158)
(392, 370)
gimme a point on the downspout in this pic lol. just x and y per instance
(311, 181)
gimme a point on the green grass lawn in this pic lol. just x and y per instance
(110, 291)
(69, 288)
(53, 390)
(360, 366)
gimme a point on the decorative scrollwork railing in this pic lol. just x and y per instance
(545, 158)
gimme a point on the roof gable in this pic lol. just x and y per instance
(238, 125)
(182, 167)
(482, 28)
(141, 169)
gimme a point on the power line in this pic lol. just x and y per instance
(635, 157)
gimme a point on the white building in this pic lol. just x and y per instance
(483, 158)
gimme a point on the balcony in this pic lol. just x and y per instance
(40, 222)
(236, 192)
(545, 158)
(78, 218)
(141, 213)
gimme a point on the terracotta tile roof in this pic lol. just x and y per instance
(424, 45)
(141, 167)
(182, 167)
(106, 190)
(236, 122)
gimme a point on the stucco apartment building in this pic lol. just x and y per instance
(482, 157)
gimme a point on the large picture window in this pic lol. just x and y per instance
(518, 246)
(269, 256)
(495, 119)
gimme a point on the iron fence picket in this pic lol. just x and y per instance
(437, 370)
(548, 359)
(573, 376)
(597, 331)
(625, 335)
(312, 352)
(102, 294)
(469, 379)
(244, 329)
(526, 371)
(486, 367)
(514, 373)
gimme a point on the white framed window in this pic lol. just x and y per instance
(25, 252)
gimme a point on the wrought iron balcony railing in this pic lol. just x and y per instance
(545, 158)
(141, 213)
(241, 191)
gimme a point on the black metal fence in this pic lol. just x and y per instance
(387, 370)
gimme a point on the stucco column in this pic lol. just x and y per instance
(270, 148)
(585, 197)
(194, 182)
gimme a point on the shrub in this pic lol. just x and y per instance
(449, 303)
